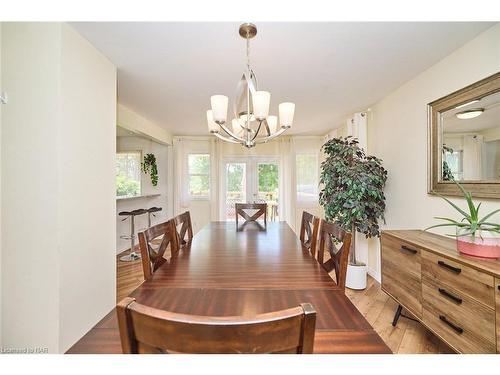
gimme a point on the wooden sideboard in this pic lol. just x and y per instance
(454, 296)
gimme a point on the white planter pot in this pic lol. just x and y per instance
(356, 276)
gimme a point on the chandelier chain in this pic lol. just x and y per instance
(248, 54)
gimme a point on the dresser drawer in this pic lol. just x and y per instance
(401, 273)
(463, 322)
(497, 298)
(464, 279)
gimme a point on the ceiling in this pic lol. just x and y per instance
(168, 71)
(488, 120)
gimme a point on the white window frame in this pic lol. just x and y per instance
(299, 198)
(188, 175)
(140, 172)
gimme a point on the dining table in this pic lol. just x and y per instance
(229, 272)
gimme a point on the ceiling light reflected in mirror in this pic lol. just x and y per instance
(472, 113)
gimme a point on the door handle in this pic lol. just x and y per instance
(449, 268)
(456, 328)
(454, 298)
(408, 249)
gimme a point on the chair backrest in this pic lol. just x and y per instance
(152, 255)
(337, 242)
(183, 228)
(145, 329)
(309, 232)
(241, 210)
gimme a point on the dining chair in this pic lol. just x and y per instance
(183, 228)
(259, 208)
(337, 242)
(309, 232)
(152, 254)
(147, 330)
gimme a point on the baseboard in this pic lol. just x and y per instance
(375, 274)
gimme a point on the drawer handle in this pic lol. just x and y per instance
(408, 249)
(444, 292)
(456, 328)
(448, 267)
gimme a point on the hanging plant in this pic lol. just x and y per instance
(149, 166)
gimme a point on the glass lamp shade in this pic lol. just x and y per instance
(272, 121)
(236, 127)
(212, 126)
(260, 101)
(219, 107)
(243, 118)
(286, 111)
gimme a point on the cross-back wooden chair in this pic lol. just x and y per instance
(151, 254)
(183, 228)
(331, 236)
(147, 330)
(309, 232)
(241, 210)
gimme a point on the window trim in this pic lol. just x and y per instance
(188, 175)
(298, 197)
(140, 173)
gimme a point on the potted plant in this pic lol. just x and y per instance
(477, 237)
(352, 196)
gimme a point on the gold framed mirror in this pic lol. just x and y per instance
(464, 140)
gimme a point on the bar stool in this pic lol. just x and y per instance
(151, 211)
(131, 215)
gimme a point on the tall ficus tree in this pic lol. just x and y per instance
(352, 191)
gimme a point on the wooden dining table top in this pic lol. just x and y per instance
(225, 272)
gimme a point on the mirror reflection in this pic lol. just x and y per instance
(470, 137)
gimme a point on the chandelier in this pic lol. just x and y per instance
(252, 123)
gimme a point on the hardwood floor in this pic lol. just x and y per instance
(128, 276)
(407, 337)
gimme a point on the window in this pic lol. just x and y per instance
(454, 160)
(307, 177)
(128, 174)
(199, 175)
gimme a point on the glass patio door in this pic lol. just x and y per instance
(266, 186)
(235, 175)
(249, 180)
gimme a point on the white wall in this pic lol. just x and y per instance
(58, 147)
(137, 143)
(130, 120)
(30, 263)
(397, 133)
(86, 187)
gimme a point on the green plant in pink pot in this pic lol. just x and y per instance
(477, 237)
